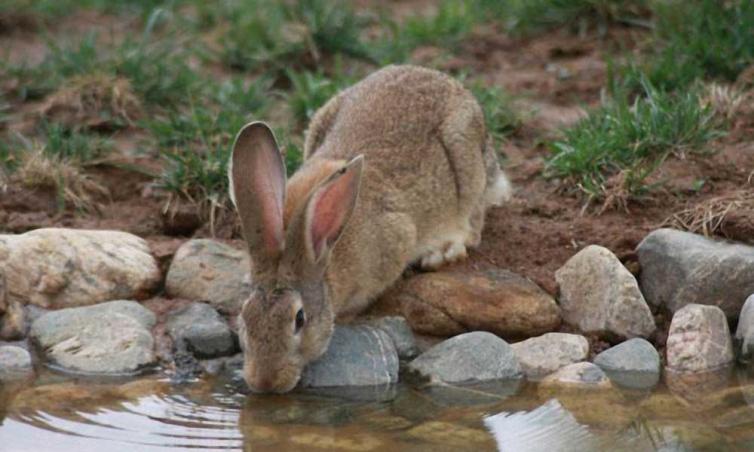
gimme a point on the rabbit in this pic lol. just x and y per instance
(397, 170)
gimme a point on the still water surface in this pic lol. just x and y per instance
(60, 414)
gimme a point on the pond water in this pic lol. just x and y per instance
(63, 414)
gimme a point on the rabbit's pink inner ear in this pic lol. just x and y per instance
(259, 188)
(331, 207)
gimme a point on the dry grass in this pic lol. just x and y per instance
(40, 170)
(726, 101)
(96, 101)
(710, 217)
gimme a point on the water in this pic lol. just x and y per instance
(81, 415)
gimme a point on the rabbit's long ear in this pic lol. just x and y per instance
(330, 208)
(257, 187)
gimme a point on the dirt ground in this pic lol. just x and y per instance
(554, 76)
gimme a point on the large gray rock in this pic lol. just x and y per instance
(400, 332)
(206, 270)
(447, 303)
(61, 268)
(680, 268)
(200, 329)
(540, 356)
(634, 364)
(598, 294)
(579, 375)
(15, 363)
(745, 331)
(699, 339)
(108, 338)
(470, 357)
(357, 356)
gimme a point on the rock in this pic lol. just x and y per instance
(200, 329)
(680, 268)
(397, 328)
(598, 294)
(15, 363)
(451, 302)
(61, 268)
(466, 358)
(109, 338)
(581, 375)
(699, 339)
(634, 364)
(540, 356)
(745, 331)
(206, 270)
(357, 356)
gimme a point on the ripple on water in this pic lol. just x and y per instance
(150, 414)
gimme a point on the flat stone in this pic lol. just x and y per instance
(200, 329)
(448, 303)
(699, 339)
(598, 294)
(580, 375)
(357, 356)
(468, 358)
(60, 268)
(745, 331)
(634, 363)
(109, 338)
(681, 268)
(15, 363)
(540, 356)
(400, 332)
(207, 270)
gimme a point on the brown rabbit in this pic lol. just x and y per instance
(396, 170)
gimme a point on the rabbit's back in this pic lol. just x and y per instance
(423, 138)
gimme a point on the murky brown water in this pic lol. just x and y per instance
(151, 414)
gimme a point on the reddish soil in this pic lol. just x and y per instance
(556, 74)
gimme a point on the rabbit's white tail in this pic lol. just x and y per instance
(498, 189)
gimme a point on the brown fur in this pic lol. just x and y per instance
(352, 225)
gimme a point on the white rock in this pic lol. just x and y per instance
(598, 294)
(540, 356)
(60, 268)
(699, 339)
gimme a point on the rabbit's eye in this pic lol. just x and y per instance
(300, 319)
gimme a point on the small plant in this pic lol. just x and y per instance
(311, 90)
(619, 145)
(500, 117)
(197, 142)
(452, 22)
(535, 15)
(158, 74)
(705, 39)
(71, 146)
(266, 36)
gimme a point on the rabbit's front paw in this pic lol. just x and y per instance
(448, 253)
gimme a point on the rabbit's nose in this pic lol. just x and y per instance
(264, 384)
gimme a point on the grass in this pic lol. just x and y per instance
(157, 71)
(268, 36)
(703, 39)
(618, 146)
(500, 117)
(527, 16)
(196, 142)
(311, 90)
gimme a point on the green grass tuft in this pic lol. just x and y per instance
(267, 36)
(704, 39)
(500, 117)
(311, 90)
(632, 138)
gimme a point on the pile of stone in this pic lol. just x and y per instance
(72, 300)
